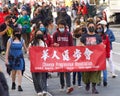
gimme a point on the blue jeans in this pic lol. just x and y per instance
(104, 75)
(79, 76)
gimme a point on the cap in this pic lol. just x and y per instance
(24, 8)
(103, 22)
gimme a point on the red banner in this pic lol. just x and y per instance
(67, 59)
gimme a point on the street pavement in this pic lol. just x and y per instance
(53, 83)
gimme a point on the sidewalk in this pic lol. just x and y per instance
(28, 89)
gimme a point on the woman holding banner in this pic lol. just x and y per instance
(91, 38)
(76, 40)
(40, 78)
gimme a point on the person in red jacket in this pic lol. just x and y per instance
(106, 42)
(79, 13)
(84, 11)
(3, 14)
(1, 18)
(63, 38)
(6, 11)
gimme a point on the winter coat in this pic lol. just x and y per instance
(63, 39)
(111, 37)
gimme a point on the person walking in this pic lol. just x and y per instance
(14, 57)
(112, 39)
(64, 15)
(24, 22)
(91, 38)
(106, 42)
(5, 31)
(62, 38)
(76, 40)
(39, 78)
(50, 25)
(74, 10)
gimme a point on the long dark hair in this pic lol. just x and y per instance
(38, 26)
(35, 41)
(46, 31)
(16, 30)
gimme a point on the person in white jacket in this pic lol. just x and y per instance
(39, 78)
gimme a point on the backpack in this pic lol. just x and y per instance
(26, 26)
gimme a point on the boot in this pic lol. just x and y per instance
(99, 84)
(87, 86)
(13, 86)
(104, 83)
(94, 90)
(20, 88)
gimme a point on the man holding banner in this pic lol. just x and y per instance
(63, 38)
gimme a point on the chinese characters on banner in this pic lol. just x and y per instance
(67, 59)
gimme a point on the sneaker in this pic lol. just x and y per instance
(114, 75)
(80, 86)
(3, 52)
(44, 93)
(13, 86)
(69, 90)
(74, 85)
(20, 88)
(40, 94)
(104, 83)
(62, 89)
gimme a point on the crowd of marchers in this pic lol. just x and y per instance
(18, 30)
